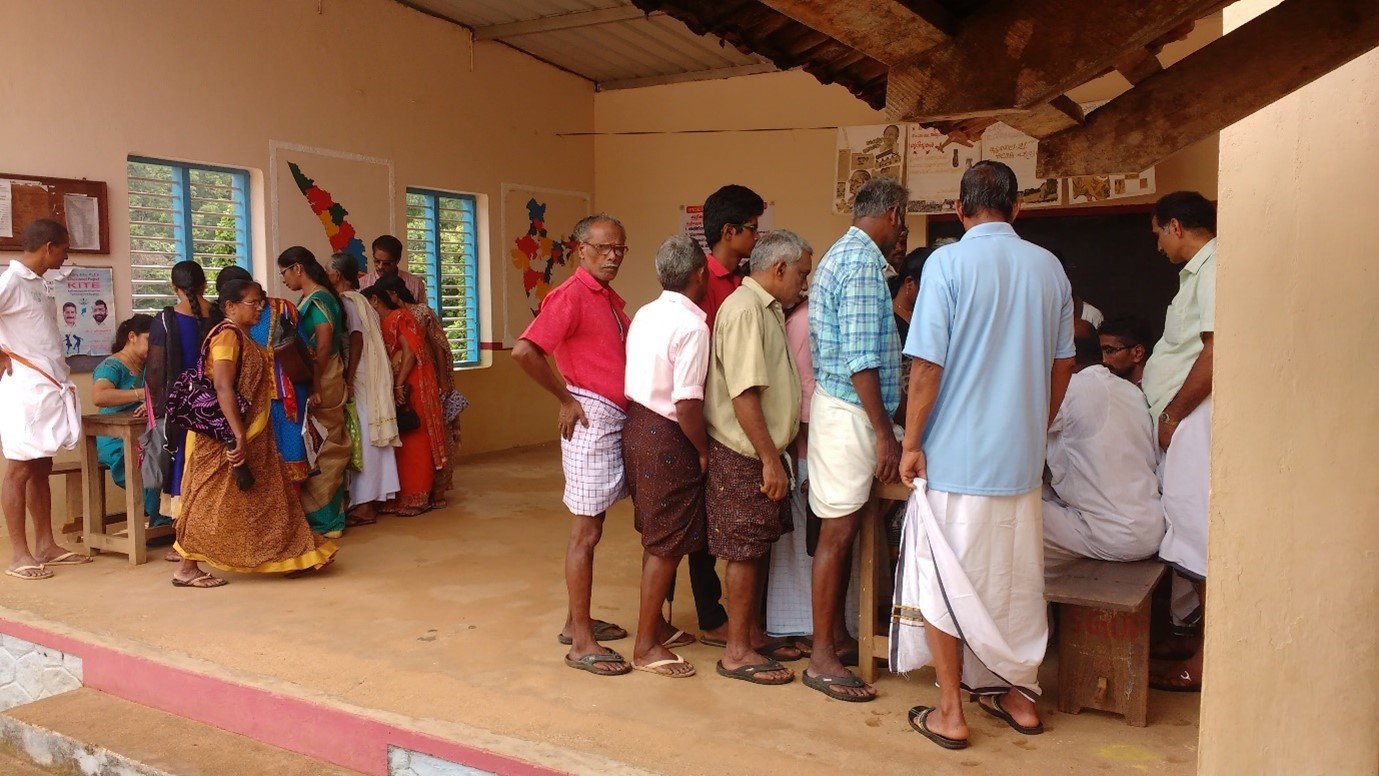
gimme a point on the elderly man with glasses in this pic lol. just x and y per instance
(582, 324)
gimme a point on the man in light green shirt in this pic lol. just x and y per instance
(1177, 383)
(752, 409)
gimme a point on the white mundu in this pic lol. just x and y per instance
(42, 415)
(1103, 465)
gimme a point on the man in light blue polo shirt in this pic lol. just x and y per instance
(992, 341)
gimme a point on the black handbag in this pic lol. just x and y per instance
(407, 418)
(291, 353)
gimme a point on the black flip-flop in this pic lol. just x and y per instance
(1166, 683)
(825, 683)
(591, 660)
(773, 649)
(603, 631)
(999, 712)
(919, 716)
(749, 673)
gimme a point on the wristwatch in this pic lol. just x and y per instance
(1166, 419)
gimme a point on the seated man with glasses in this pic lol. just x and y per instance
(1125, 345)
(1101, 498)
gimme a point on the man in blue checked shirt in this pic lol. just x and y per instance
(856, 352)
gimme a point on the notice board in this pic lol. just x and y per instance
(83, 206)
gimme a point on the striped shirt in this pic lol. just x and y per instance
(850, 320)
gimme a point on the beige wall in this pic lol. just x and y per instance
(91, 83)
(644, 179)
(1292, 664)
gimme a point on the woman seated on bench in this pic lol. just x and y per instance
(118, 386)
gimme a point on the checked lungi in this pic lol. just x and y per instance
(743, 522)
(592, 457)
(666, 484)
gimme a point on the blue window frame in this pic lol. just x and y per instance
(443, 247)
(183, 211)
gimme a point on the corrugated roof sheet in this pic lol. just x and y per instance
(610, 53)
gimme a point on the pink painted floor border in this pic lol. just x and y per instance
(332, 735)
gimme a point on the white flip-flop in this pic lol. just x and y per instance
(651, 667)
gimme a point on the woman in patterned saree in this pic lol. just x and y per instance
(289, 399)
(322, 327)
(423, 450)
(444, 359)
(261, 529)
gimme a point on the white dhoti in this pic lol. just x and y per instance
(973, 567)
(377, 480)
(41, 418)
(1071, 534)
(789, 587)
(1185, 472)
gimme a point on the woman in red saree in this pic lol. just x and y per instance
(423, 449)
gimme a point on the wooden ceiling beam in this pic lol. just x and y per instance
(1270, 56)
(885, 30)
(1016, 54)
(1052, 117)
(1138, 65)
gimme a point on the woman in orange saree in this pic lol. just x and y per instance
(423, 449)
(444, 359)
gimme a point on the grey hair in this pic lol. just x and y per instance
(988, 185)
(776, 247)
(678, 258)
(586, 224)
(939, 242)
(879, 196)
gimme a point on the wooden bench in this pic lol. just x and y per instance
(130, 541)
(70, 471)
(1103, 636)
(871, 646)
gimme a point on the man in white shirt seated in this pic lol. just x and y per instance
(1102, 497)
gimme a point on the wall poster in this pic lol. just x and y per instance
(935, 165)
(539, 247)
(1004, 143)
(864, 153)
(86, 310)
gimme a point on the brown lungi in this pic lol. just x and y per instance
(743, 522)
(667, 487)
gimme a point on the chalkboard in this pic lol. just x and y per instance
(1113, 260)
(32, 197)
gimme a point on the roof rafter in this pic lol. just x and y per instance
(564, 21)
(886, 30)
(1019, 54)
(1215, 87)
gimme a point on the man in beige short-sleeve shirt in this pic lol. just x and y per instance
(752, 407)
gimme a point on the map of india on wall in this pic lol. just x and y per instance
(540, 248)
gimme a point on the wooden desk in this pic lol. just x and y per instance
(871, 646)
(131, 540)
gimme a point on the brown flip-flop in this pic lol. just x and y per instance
(197, 583)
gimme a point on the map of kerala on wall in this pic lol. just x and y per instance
(329, 201)
(537, 249)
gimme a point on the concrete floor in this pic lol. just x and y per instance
(451, 618)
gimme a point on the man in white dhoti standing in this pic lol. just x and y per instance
(41, 413)
(1177, 383)
(992, 341)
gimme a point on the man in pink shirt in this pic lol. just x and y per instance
(666, 441)
(583, 325)
(387, 260)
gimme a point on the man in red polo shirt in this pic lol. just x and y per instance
(583, 325)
